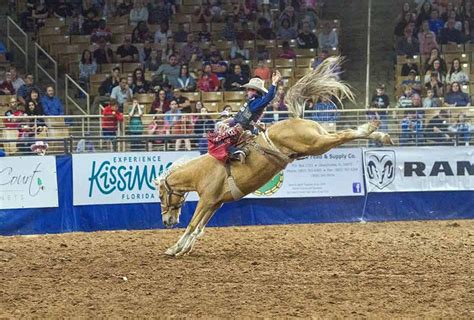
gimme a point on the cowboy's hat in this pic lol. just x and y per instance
(257, 84)
(39, 145)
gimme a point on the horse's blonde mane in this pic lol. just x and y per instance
(323, 80)
(181, 162)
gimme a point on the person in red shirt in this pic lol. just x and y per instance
(6, 87)
(262, 70)
(209, 81)
(111, 118)
(15, 111)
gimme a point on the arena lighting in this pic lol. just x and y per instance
(415, 57)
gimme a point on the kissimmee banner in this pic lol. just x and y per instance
(28, 182)
(337, 173)
(419, 169)
(109, 178)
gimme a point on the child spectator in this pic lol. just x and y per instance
(405, 100)
(430, 101)
(412, 81)
(411, 129)
(203, 125)
(111, 118)
(208, 81)
(135, 127)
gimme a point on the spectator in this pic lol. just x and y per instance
(278, 104)
(451, 35)
(124, 8)
(144, 53)
(308, 14)
(156, 127)
(25, 90)
(424, 34)
(262, 70)
(169, 50)
(323, 55)
(430, 101)
(245, 33)
(90, 23)
(262, 53)
(323, 106)
(306, 39)
(103, 54)
(161, 104)
(34, 109)
(429, 43)
(160, 11)
(408, 45)
(105, 88)
(202, 14)
(162, 34)
(170, 70)
(382, 102)
(121, 93)
(287, 52)
(127, 52)
(416, 101)
(436, 24)
(13, 111)
(52, 105)
(424, 12)
(286, 31)
(457, 98)
(135, 127)
(218, 66)
(456, 73)
(75, 26)
(264, 31)
(141, 33)
(183, 126)
(328, 37)
(183, 102)
(109, 10)
(204, 35)
(236, 80)
(6, 87)
(172, 116)
(181, 35)
(190, 52)
(435, 68)
(153, 62)
(409, 66)
(463, 129)
(101, 32)
(405, 100)
(203, 125)
(111, 116)
(40, 13)
(85, 145)
(411, 129)
(229, 33)
(402, 24)
(437, 129)
(140, 84)
(238, 51)
(435, 55)
(139, 13)
(413, 82)
(289, 13)
(435, 84)
(16, 80)
(87, 67)
(208, 81)
(185, 82)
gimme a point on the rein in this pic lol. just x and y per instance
(169, 193)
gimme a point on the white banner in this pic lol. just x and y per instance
(337, 173)
(108, 178)
(28, 182)
(419, 169)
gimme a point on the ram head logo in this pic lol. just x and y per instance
(380, 167)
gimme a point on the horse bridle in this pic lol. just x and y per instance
(167, 199)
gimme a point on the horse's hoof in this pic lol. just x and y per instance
(387, 140)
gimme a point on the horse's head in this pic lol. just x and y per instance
(171, 203)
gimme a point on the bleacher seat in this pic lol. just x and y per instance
(211, 96)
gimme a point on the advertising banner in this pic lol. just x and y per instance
(419, 169)
(28, 182)
(108, 178)
(337, 173)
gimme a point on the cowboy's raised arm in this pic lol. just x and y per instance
(261, 103)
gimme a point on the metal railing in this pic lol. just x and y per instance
(18, 38)
(43, 62)
(73, 89)
(407, 126)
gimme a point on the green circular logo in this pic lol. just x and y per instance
(271, 186)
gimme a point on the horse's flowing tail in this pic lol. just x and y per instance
(324, 80)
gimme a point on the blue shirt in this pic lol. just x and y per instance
(460, 98)
(436, 25)
(257, 105)
(52, 106)
(325, 116)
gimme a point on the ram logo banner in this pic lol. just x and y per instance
(109, 178)
(440, 168)
(28, 182)
(380, 167)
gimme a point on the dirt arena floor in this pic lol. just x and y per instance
(375, 270)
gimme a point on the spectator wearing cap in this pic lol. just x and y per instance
(262, 71)
(127, 52)
(103, 54)
(190, 52)
(412, 81)
(327, 38)
(122, 93)
(306, 39)
(52, 105)
(236, 80)
(111, 116)
(286, 31)
(457, 98)
(170, 70)
(138, 13)
(208, 81)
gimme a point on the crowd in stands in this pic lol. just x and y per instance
(425, 79)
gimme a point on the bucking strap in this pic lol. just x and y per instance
(234, 190)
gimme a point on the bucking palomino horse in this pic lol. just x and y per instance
(270, 152)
